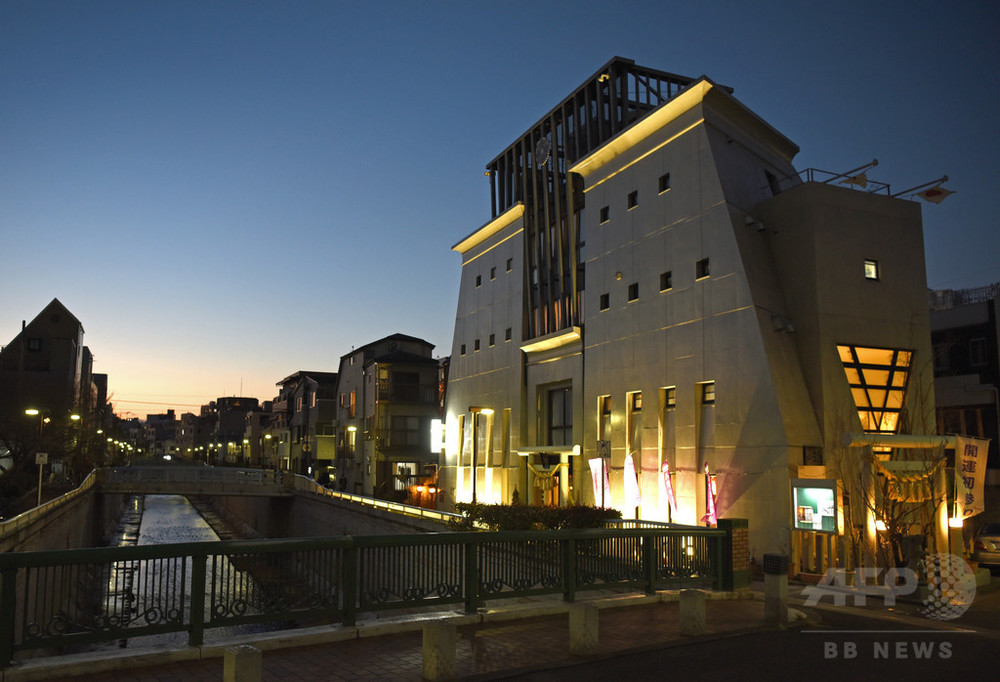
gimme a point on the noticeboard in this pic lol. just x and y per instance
(814, 505)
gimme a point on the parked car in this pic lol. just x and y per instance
(986, 546)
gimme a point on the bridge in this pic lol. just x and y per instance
(263, 501)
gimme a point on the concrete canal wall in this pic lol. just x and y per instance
(304, 514)
(81, 518)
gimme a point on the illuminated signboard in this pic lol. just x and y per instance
(814, 505)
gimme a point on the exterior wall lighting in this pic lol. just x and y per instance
(476, 411)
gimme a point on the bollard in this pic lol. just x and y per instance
(242, 664)
(440, 639)
(692, 612)
(776, 589)
(583, 629)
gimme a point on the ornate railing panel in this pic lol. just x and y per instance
(65, 599)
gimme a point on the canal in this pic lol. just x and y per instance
(155, 520)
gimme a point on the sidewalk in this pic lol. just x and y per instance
(529, 637)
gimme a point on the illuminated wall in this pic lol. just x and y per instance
(715, 290)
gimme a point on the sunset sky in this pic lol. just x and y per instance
(227, 192)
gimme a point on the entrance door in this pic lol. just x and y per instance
(560, 432)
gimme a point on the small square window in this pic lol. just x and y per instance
(476, 344)
(666, 281)
(664, 182)
(708, 393)
(493, 273)
(701, 269)
(507, 334)
(510, 264)
(34, 344)
(605, 301)
(871, 269)
(462, 351)
(493, 340)
(605, 214)
(479, 280)
(633, 291)
(633, 199)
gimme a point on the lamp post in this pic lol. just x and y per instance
(41, 458)
(476, 411)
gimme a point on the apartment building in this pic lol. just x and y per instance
(388, 399)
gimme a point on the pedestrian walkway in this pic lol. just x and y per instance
(515, 638)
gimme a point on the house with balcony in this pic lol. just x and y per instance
(388, 397)
(301, 432)
(662, 315)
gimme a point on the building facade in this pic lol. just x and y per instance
(965, 330)
(303, 414)
(663, 316)
(50, 400)
(388, 397)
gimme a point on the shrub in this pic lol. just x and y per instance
(530, 517)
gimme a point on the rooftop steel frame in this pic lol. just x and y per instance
(533, 171)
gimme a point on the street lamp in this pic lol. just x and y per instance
(41, 458)
(476, 411)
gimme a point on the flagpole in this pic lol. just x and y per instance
(943, 178)
(870, 164)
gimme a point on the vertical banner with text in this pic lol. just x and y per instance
(970, 475)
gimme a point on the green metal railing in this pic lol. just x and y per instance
(61, 601)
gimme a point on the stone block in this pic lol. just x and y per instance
(242, 663)
(692, 612)
(440, 639)
(583, 629)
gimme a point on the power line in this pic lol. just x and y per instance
(155, 402)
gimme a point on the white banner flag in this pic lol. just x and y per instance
(970, 475)
(667, 489)
(599, 470)
(633, 498)
(710, 516)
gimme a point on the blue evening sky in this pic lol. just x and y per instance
(227, 192)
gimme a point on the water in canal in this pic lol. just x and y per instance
(164, 519)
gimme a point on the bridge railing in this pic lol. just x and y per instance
(60, 601)
(305, 484)
(190, 474)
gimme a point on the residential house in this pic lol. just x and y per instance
(388, 400)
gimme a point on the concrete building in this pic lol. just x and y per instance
(43, 366)
(304, 414)
(965, 330)
(47, 369)
(388, 398)
(659, 293)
